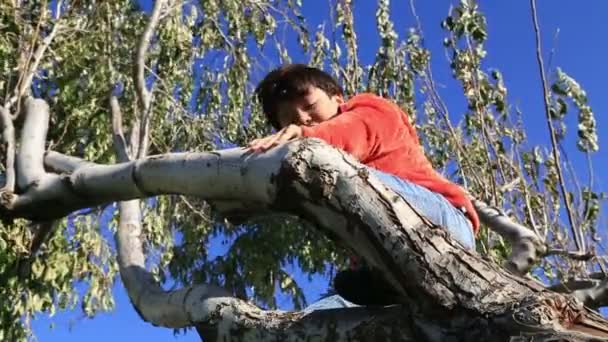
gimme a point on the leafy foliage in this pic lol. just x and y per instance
(202, 66)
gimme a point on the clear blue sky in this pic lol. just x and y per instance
(581, 52)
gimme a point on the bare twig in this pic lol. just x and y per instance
(593, 291)
(528, 203)
(43, 230)
(31, 69)
(572, 255)
(553, 49)
(165, 90)
(143, 94)
(485, 136)
(134, 138)
(8, 135)
(577, 234)
(120, 144)
(198, 212)
(416, 16)
(27, 52)
(510, 186)
(225, 38)
(442, 108)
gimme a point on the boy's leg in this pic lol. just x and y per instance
(354, 287)
(366, 286)
(330, 302)
(433, 206)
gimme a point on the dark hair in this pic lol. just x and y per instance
(289, 82)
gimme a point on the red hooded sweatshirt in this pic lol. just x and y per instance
(378, 133)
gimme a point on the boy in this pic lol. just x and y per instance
(301, 101)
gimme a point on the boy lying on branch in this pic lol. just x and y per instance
(301, 101)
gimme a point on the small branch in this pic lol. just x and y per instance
(553, 49)
(120, 144)
(573, 285)
(134, 135)
(143, 95)
(195, 210)
(144, 132)
(225, 38)
(442, 109)
(572, 255)
(528, 204)
(30, 168)
(510, 186)
(29, 76)
(576, 233)
(60, 163)
(592, 292)
(8, 135)
(43, 229)
(526, 246)
(27, 51)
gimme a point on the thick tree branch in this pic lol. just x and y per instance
(30, 168)
(143, 94)
(215, 175)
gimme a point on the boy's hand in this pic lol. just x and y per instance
(284, 135)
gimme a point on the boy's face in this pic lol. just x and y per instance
(309, 110)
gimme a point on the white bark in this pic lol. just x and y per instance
(144, 96)
(8, 136)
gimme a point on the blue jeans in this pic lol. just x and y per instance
(432, 205)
